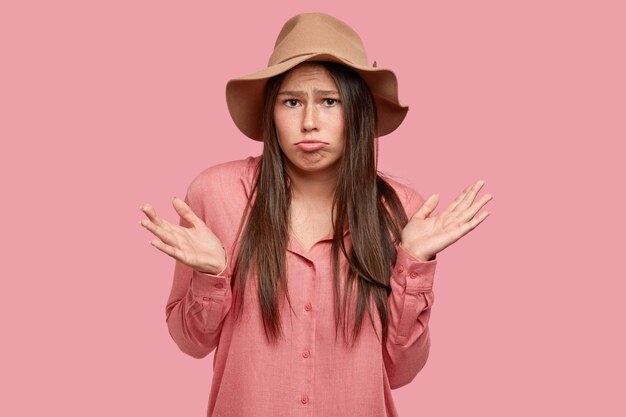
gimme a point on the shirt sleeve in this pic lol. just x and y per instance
(198, 301)
(410, 301)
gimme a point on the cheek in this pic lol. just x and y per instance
(339, 121)
(282, 123)
(283, 133)
(340, 131)
(282, 143)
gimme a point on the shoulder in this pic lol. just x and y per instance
(223, 187)
(225, 177)
(410, 198)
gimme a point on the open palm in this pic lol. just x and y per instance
(196, 246)
(426, 236)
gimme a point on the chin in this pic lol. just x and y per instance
(315, 163)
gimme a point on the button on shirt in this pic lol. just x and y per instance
(308, 373)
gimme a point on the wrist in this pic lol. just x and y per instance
(216, 268)
(421, 256)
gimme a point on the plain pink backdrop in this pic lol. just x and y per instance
(107, 105)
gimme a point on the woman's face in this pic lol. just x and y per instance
(309, 119)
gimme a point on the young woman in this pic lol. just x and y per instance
(281, 257)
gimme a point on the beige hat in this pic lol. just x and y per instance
(314, 37)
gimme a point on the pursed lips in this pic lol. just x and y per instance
(311, 141)
(311, 145)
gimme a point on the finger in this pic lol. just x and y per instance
(471, 211)
(185, 212)
(151, 213)
(427, 207)
(147, 224)
(167, 249)
(162, 231)
(469, 226)
(470, 195)
(456, 201)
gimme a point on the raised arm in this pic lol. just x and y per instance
(200, 296)
(411, 299)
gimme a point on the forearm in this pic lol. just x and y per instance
(195, 319)
(408, 342)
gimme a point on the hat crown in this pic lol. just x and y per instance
(312, 33)
(313, 37)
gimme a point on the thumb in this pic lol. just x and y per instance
(427, 207)
(185, 212)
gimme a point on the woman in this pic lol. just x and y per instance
(310, 222)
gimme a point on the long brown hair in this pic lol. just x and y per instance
(359, 202)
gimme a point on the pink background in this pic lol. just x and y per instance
(108, 105)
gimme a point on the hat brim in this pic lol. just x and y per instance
(245, 95)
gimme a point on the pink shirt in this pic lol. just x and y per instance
(307, 373)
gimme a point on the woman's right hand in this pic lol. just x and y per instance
(195, 246)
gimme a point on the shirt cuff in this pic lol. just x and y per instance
(418, 275)
(203, 284)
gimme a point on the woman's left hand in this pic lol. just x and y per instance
(425, 236)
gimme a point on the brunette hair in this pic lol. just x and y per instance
(360, 202)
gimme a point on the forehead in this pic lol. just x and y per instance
(308, 73)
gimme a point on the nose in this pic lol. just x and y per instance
(309, 118)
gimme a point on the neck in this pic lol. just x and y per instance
(318, 187)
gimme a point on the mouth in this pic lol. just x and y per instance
(311, 145)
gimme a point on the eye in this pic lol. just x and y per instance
(331, 101)
(291, 102)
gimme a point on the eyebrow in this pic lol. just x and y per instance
(301, 93)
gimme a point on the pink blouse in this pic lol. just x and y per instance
(307, 373)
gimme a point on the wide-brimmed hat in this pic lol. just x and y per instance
(314, 37)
